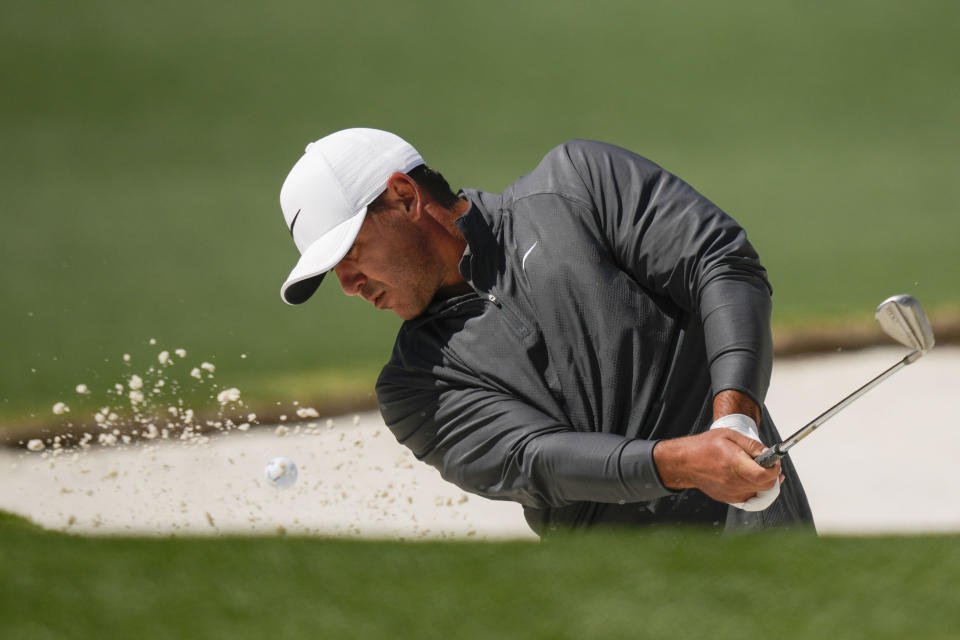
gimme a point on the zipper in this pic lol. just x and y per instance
(454, 305)
(512, 318)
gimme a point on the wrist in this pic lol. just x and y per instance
(669, 461)
(733, 401)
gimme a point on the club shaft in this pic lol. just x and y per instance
(812, 426)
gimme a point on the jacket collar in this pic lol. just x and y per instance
(480, 226)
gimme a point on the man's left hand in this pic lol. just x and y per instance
(746, 426)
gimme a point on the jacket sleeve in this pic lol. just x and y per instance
(675, 243)
(499, 447)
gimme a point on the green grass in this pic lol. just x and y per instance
(651, 584)
(144, 144)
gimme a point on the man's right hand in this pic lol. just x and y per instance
(718, 462)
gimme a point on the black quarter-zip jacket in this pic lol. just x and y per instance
(612, 303)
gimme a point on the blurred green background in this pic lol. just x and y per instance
(144, 144)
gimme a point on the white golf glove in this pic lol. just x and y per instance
(744, 425)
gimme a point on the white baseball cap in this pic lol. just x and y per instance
(325, 197)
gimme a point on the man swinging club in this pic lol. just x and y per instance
(593, 343)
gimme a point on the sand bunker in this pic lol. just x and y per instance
(875, 468)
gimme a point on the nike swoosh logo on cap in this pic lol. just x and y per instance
(295, 216)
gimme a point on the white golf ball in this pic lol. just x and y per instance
(281, 472)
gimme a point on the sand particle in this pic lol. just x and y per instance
(228, 395)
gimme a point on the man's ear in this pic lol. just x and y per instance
(407, 193)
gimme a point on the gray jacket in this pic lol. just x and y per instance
(612, 303)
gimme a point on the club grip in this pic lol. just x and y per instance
(769, 457)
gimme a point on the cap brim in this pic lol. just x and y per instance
(320, 257)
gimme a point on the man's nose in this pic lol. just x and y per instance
(351, 279)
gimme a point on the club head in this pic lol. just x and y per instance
(903, 319)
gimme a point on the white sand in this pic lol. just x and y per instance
(352, 480)
(883, 465)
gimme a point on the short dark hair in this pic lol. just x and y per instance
(431, 181)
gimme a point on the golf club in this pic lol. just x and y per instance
(903, 319)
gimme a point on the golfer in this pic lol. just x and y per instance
(593, 343)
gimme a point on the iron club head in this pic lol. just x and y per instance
(903, 319)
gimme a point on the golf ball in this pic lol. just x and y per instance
(281, 472)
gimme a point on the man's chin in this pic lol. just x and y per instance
(406, 314)
(408, 311)
(404, 307)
